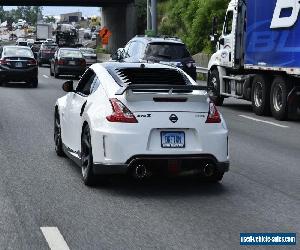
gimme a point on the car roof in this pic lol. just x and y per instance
(69, 49)
(112, 65)
(149, 39)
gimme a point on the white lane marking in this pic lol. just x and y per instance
(46, 76)
(54, 238)
(262, 121)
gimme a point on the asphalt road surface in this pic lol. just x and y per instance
(43, 201)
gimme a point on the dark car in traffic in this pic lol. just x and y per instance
(67, 61)
(46, 53)
(89, 55)
(166, 50)
(17, 64)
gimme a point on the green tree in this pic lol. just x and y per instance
(141, 6)
(191, 21)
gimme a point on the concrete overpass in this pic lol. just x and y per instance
(118, 15)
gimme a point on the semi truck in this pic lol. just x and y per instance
(43, 31)
(66, 35)
(257, 57)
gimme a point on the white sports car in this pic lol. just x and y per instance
(141, 119)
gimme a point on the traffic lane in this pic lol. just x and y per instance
(176, 214)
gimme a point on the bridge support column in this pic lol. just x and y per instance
(122, 22)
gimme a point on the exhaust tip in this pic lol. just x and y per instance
(140, 171)
(209, 170)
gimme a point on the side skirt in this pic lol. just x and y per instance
(74, 156)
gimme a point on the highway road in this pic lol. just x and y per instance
(43, 202)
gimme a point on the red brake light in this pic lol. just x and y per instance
(213, 114)
(3, 62)
(61, 62)
(32, 62)
(120, 113)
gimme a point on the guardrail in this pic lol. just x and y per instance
(202, 70)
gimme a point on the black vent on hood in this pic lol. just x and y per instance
(152, 76)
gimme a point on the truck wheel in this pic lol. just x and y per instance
(279, 94)
(213, 85)
(261, 95)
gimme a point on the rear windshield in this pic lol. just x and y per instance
(14, 51)
(71, 53)
(49, 46)
(152, 76)
(167, 51)
(87, 51)
(22, 43)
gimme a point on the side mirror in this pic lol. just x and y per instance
(214, 30)
(222, 41)
(68, 86)
(118, 55)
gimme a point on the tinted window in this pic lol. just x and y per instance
(71, 53)
(228, 23)
(14, 51)
(50, 47)
(87, 51)
(85, 84)
(167, 51)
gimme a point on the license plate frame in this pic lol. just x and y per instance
(18, 65)
(173, 140)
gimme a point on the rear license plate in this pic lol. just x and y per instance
(170, 139)
(18, 65)
(72, 63)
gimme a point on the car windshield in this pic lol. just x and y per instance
(167, 51)
(87, 51)
(71, 53)
(13, 51)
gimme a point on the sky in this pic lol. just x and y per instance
(56, 11)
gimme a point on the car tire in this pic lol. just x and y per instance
(278, 99)
(217, 177)
(213, 84)
(40, 64)
(35, 82)
(88, 175)
(51, 72)
(57, 135)
(55, 73)
(261, 95)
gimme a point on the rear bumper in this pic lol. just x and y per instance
(161, 164)
(18, 74)
(72, 70)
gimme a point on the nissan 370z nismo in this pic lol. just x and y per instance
(140, 119)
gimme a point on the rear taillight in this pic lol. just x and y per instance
(32, 62)
(120, 113)
(213, 114)
(3, 62)
(61, 62)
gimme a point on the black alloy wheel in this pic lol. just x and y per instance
(88, 175)
(213, 85)
(57, 135)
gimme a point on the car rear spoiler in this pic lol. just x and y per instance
(163, 87)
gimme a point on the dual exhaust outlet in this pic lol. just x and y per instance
(140, 171)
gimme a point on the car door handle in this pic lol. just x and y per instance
(82, 108)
